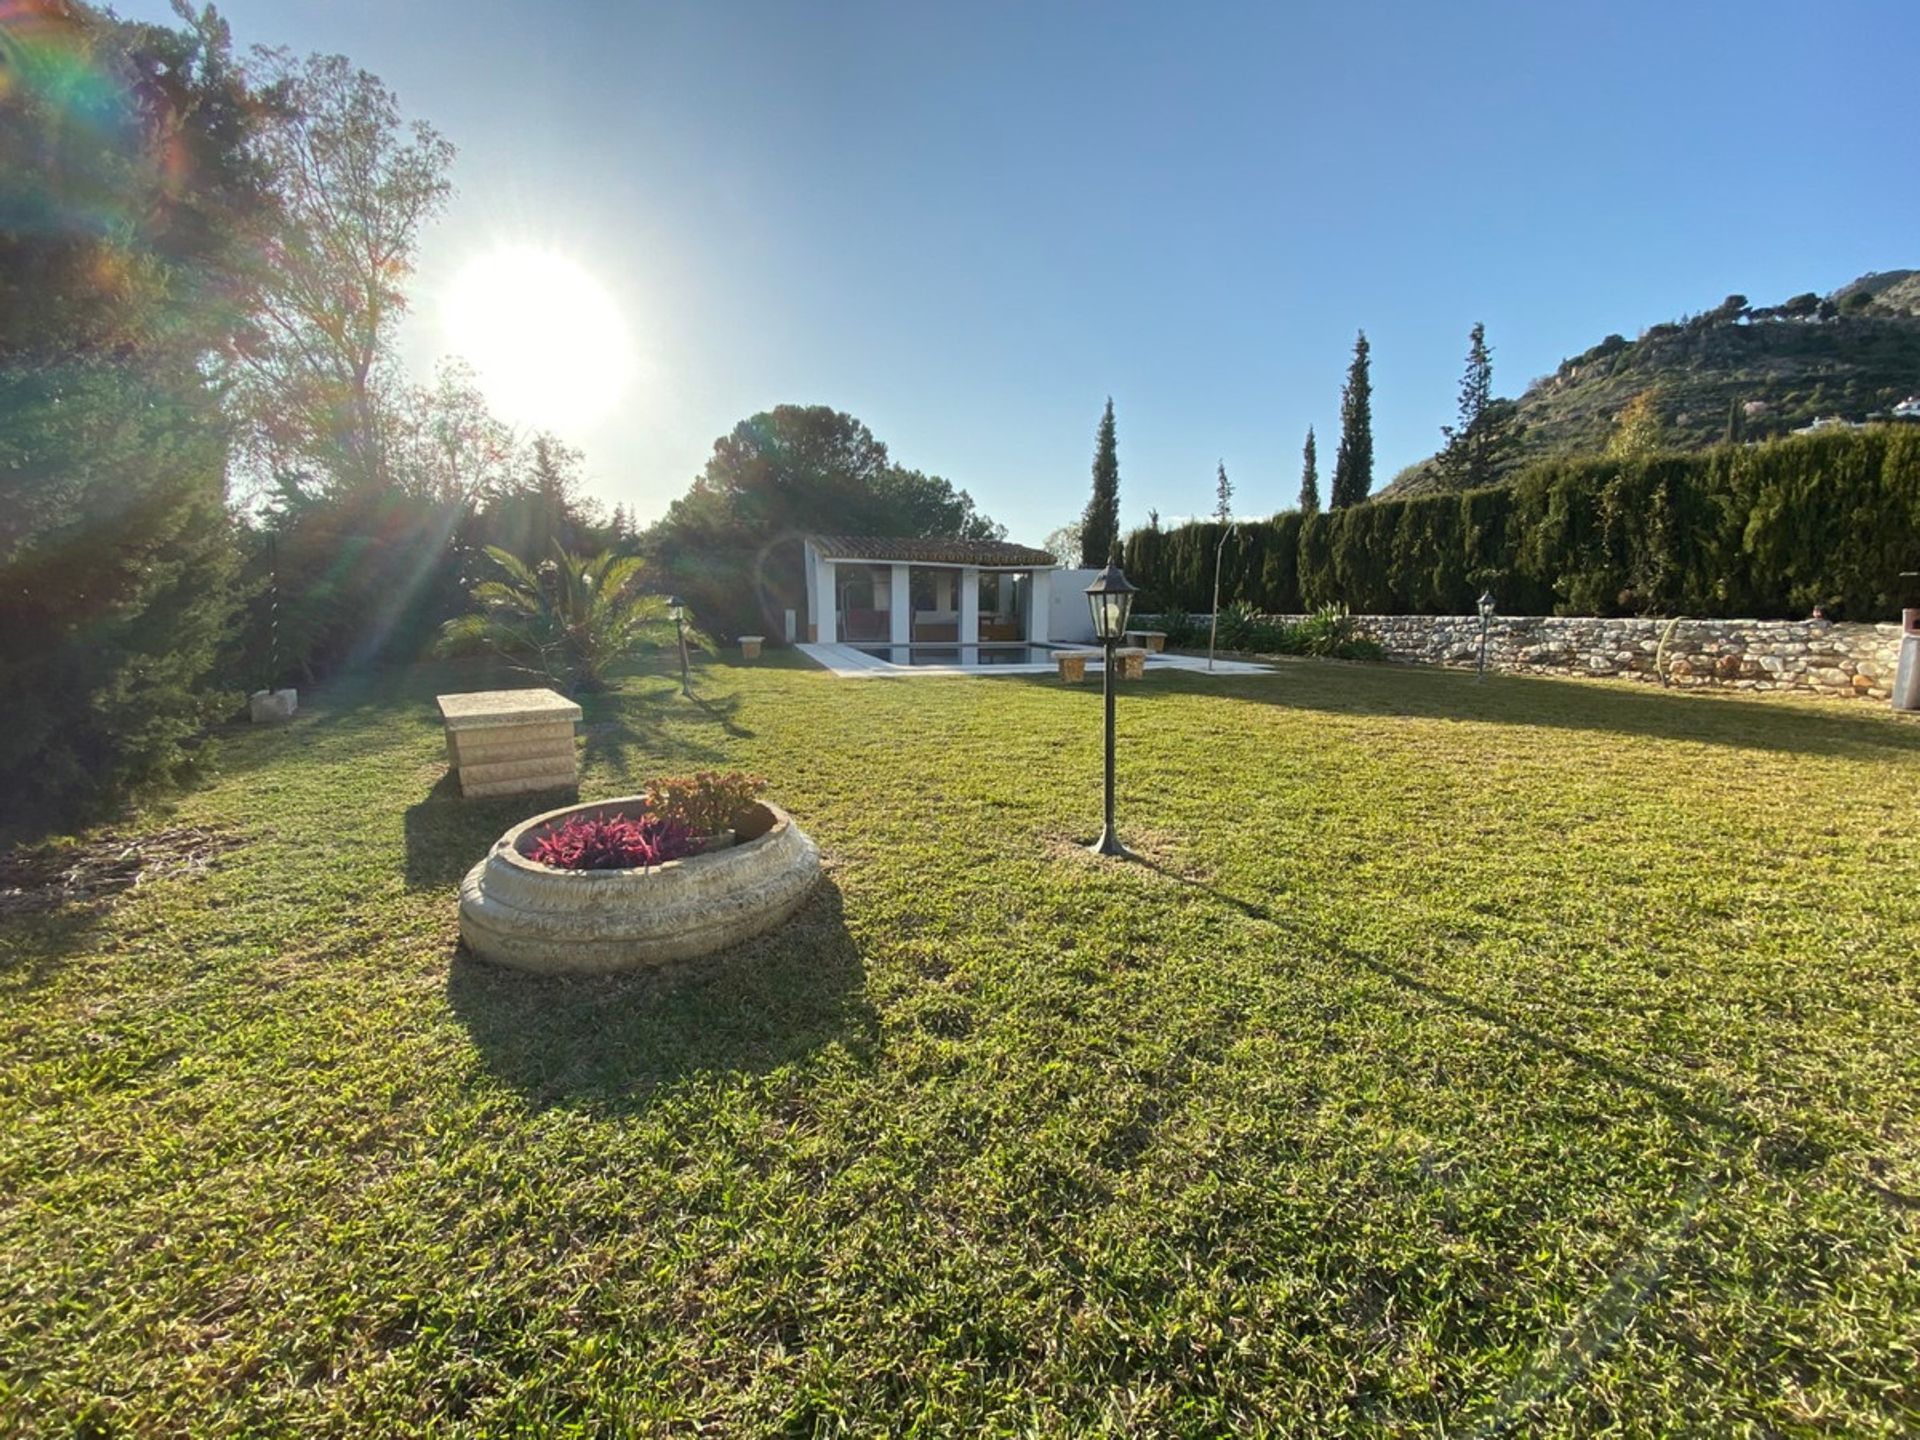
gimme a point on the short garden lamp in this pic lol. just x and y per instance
(1486, 622)
(677, 612)
(1110, 598)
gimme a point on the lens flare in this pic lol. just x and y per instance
(545, 338)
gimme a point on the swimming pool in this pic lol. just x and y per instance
(1010, 658)
(964, 656)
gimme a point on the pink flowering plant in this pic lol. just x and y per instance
(614, 842)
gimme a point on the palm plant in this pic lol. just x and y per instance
(572, 618)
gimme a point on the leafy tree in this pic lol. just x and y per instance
(1637, 430)
(1064, 544)
(1309, 477)
(317, 387)
(1153, 518)
(571, 620)
(1100, 526)
(123, 275)
(447, 445)
(1353, 463)
(1736, 422)
(731, 544)
(1727, 311)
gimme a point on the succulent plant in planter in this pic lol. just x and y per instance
(707, 802)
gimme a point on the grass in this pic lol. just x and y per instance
(1531, 1057)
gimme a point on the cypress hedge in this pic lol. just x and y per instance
(1759, 531)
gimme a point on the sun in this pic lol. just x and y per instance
(546, 339)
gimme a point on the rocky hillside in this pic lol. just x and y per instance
(1853, 353)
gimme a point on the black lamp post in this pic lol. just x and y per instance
(677, 612)
(1486, 621)
(1110, 598)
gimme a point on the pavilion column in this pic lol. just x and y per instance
(826, 604)
(900, 618)
(969, 605)
(1039, 601)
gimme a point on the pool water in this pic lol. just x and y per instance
(962, 655)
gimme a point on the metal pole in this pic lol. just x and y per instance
(681, 626)
(1213, 629)
(1109, 842)
(1485, 621)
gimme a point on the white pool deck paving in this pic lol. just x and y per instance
(850, 663)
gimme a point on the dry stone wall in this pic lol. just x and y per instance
(1819, 655)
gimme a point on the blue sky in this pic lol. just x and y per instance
(969, 224)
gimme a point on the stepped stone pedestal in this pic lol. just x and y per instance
(503, 742)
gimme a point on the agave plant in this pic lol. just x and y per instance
(571, 619)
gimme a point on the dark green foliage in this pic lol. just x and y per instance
(1479, 447)
(1309, 477)
(1766, 531)
(363, 577)
(731, 544)
(118, 566)
(1353, 465)
(123, 220)
(1100, 526)
(1326, 634)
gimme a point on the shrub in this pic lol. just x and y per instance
(707, 802)
(1324, 632)
(614, 842)
(1178, 626)
(1237, 628)
(1766, 531)
(572, 619)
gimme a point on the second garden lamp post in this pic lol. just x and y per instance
(1486, 620)
(677, 612)
(1110, 597)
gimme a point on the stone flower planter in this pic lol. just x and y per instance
(518, 912)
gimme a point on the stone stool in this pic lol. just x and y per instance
(1073, 665)
(504, 742)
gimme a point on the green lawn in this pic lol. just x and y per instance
(1535, 1057)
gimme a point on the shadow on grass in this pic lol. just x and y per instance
(447, 835)
(33, 948)
(612, 1043)
(1778, 1150)
(721, 711)
(1615, 707)
(617, 728)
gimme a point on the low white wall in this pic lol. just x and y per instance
(1069, 621)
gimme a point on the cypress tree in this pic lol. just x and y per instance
(1100, 526)
(1353, 463)
(1466, 458)
(1223, 496)
(1310, 477)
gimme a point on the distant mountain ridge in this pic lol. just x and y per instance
(1852, 353)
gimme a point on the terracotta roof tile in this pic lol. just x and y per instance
(937, 550)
